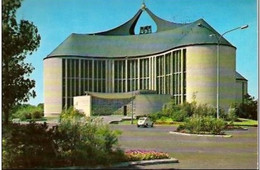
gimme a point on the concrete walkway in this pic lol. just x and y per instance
(114, 118)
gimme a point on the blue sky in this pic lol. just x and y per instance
(57, 19)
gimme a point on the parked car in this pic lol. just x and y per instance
(145, 122)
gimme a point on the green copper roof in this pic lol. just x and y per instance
(122, 42)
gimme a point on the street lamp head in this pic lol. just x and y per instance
(244, 27)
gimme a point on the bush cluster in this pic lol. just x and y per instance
(231, 115)
(247, 109)
(71, 114)
(76, 141)
(202, 125)
(24, 112)
(183, 111)
(176, 112)
(27, 146)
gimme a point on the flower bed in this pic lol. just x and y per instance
(139, 155)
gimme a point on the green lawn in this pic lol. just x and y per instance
(246, 122)
(164, 120)
(168, 121)
(40, 119)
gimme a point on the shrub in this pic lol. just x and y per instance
(71, 114)
(200, 125)
(180, 128)
(204, 110)
(176, 112)
(156, 116)
(247, 109)
(179, 115)
(87, 142)
(77, 141)
(223, 115)
(231, 116)
(193, 125)
(183, 111)
(27, 146)
(218, 125)
(36, 115)
(26, 116)
(24, 112)
(189, 108)
(186, 110)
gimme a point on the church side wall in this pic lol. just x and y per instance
(241, 90)
(52, 86)
(182, 73)
(202, 75)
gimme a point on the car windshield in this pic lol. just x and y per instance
(143, 118)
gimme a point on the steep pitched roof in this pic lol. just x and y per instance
(122, 42)
(240, 77)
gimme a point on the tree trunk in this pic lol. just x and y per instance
(6, 118)
(5, 104)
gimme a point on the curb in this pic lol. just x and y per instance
(242, 129)
(127, 164)
(187, 134)
(146, 162)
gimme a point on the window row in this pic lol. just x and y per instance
(75, 68)
(168, 71)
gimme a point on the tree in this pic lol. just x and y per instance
(248, 109)
(18, 40)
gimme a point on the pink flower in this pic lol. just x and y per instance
(133, 155)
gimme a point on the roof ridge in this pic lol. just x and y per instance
(128, 27)
(125, 29)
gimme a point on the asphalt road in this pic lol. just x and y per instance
(237, 152)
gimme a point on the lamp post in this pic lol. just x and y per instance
(132, 117)
(132, 98)
(218, 37)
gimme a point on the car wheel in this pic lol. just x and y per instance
(152, 125)
(138, 125)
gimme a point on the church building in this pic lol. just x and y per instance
(126, 72)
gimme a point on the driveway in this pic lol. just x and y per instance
(237, 152)
(114, 118)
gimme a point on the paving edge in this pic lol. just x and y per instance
(147, 162)
(187, 134)
(241, 129)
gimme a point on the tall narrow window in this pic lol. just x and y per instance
(63, 82)
(184, 75)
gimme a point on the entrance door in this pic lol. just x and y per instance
(125, 110)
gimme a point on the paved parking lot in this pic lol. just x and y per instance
(237, 152)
